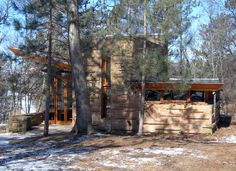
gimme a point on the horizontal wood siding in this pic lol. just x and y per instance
(94, 72)
(178, 117)
(123, 112)
(123, 104)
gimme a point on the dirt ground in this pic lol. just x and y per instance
(64, 151)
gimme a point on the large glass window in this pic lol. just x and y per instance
(175, 95)
(106, 84)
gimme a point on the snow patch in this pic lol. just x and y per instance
(99, 134)
(114, 164)
(127, 158)
(229, 139)
(3, 125)
(6, 137)
(3, 141)
(45, 155)
(131, 158)
(32, 164)
(164, 150)
(197, 154)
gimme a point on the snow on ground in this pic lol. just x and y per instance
(68, 154)
(54, 128)
(133, 157)
(165, 150)
(6, 137)
(40, 156)
(3, 125)
(229, 139)
(46, 155)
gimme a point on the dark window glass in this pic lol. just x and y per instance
(151, 95)
(197, 96)
(176, 95)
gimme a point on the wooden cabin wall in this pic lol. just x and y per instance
(178, 117)
(122, 106)
(94, 71)
(124, 103)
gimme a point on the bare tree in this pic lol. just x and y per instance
(4, 15)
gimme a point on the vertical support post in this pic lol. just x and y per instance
(189, 96)
(214, 103)
(55, 99)
(161, 96)
(65, 102)
(205, 96)
(104, 89)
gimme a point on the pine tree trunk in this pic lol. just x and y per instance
(181, 46)
(83, 114)
(142, 103)
(49, 73)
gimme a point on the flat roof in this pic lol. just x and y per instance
(180, 86)
(195, 80)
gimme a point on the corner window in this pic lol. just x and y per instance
(197, 96)
(151, 95)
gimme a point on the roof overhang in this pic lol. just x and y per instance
(41, 60)
(180, 86)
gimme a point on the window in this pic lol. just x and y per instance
(106, 84)
(197, 96)
(151, 95)
(175, 95)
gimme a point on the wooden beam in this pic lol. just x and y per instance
(66, 79)
(178, 86)
(65, 102)
(40, 60)
(55, 99)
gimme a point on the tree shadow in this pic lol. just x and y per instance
(59, 145)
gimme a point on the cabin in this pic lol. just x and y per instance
(115, 97)
(176, 106)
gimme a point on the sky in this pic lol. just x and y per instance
(13, 38)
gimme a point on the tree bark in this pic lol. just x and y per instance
(49, 73)
(83, 114)
(142, 103)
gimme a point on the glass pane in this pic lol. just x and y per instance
(151, 95)
(197, 96)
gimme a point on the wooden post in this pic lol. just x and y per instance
(206, 96)
(65, 102)
(55, 99)
(214, 103)
(161, 96)
(104, 89)
(189, 96)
